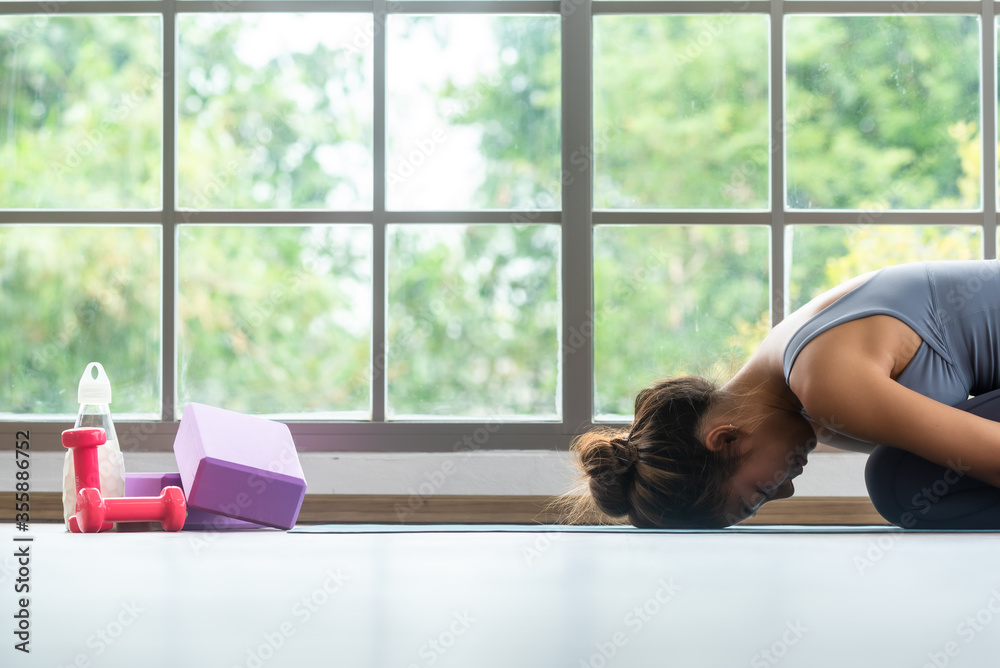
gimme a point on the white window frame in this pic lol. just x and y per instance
(577, 217)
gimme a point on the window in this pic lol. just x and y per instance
(395, 224)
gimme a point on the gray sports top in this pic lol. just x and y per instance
(953, 306)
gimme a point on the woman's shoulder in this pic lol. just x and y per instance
(827, 298)
(881, 338)
(777, 340)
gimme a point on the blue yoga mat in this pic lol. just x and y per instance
(571, 528)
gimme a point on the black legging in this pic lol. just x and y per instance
(913, 493)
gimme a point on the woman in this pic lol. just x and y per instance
(881, 359)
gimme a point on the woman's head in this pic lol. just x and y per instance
(661, 473)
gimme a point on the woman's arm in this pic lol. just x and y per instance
(827, 436)
(856, 391)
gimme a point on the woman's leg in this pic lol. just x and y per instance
(913, 493)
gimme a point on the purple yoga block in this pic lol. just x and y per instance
(145, 484)
(151, 484)
(240, 466)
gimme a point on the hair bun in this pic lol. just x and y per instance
(625, 451)
(609, 462)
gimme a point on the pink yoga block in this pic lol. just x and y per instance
(239, 466)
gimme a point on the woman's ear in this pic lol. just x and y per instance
(722, 437)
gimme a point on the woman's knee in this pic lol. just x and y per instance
(914, 493)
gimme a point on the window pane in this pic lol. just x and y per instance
(674, 300)
(73, 295)
(275, 111)
(680, 112)
(883, 112)
(473, 321)
(822, 256)
(473, 112)
(80, 103)
(276, 320)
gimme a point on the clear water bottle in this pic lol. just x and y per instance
(94, 395)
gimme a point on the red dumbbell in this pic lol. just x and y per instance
(169, 509)
(83, 441)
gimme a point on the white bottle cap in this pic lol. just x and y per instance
(94, 390)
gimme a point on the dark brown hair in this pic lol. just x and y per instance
(658, 473)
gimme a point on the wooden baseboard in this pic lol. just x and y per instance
(477, 509)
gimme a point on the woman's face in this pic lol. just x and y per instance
(778, 449)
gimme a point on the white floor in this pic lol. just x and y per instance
(484, 600)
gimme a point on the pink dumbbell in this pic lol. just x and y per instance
(169, 509)
(83, 441)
